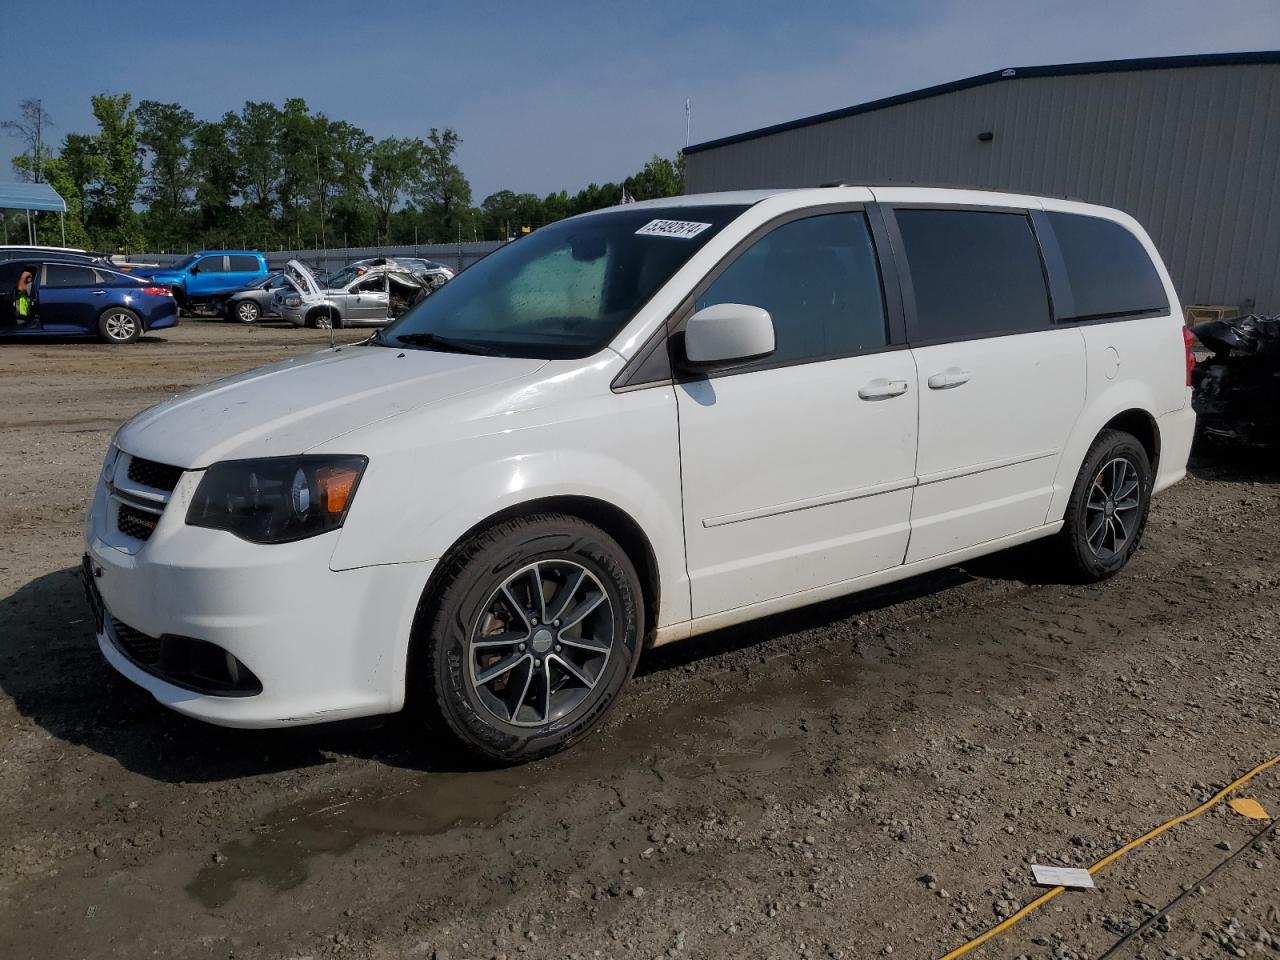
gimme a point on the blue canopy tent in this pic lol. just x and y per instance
(33, 196)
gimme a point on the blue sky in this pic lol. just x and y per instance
(549, 95)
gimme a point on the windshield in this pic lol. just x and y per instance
(185, 262)
(343, 277)
(567, 288)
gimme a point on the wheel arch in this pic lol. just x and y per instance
(1126, 406)
(319, 310)
(1142, 425)
(610, 518)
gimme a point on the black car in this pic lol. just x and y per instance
(254, 302)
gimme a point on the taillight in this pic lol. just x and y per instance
(158, 291)
(1188, 341)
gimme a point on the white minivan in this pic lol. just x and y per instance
(631, 427)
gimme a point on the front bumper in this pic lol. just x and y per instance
(295, 315)
(325, 645)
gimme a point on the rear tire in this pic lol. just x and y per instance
(1107, 512)
(119, 325)
(245, 311)
(549, 682)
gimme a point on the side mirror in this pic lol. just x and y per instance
(728, 333)
(195, 268)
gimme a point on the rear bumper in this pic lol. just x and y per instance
(1177, 432)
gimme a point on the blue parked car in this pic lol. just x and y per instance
(205, 279)
(49, 297)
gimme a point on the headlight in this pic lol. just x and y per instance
(277, 499)
(293, 301)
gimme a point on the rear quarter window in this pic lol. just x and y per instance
(975, 273)
(1110, 273)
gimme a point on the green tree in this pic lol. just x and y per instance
(253, 134)
(166, 131)
(394, 164)
(660, 177)
(217, 178)
(31, 128)
(116, 167)
(442, 191)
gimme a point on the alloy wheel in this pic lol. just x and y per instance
(1112, 510)
(540, 643)
(247, 311)
(324, 322)
(120, 325)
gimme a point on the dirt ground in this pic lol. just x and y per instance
(867, 777)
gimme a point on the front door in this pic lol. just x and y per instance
(1000, 388)
(368, 301)
(69, 298)
(797, 470)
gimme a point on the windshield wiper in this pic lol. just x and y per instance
(445, 344)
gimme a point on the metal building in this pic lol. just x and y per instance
(1190, 146)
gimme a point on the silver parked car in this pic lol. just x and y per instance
(255, 301)
(357, 295)
(434, 272)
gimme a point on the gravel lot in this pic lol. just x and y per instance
(866, 777)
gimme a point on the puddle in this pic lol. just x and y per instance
(280, 852)
(690, 741)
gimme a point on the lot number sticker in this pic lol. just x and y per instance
(680, 229)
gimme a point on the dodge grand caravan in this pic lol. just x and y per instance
(631, 427)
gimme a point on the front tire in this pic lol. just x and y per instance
(119, 325)
(533, 633)
(1107, 512)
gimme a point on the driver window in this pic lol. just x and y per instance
(819, 280)
(371, 285)
(210, 265)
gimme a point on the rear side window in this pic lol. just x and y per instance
(819, 281)
(1108, 269)
(65, 275)
(976, 273)
(243, 264)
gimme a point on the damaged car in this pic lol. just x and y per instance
(1237, 389)
(356, 295)
(435, 273)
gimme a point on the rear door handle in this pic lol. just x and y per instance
(949, 378)
(99, 293)
(882, 389)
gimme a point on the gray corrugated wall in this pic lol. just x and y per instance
(1192, 153)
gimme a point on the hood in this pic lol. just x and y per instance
(303, 280)
(290, 407)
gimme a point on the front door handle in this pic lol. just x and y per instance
(882, 389)
(949, 378)
(99, 293)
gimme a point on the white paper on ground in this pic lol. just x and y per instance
(1061, 876)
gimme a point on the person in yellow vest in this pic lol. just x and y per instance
(22, 302)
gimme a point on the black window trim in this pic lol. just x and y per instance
(908, 287)
(669, 332)
(1060, 284)
(220, 256)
